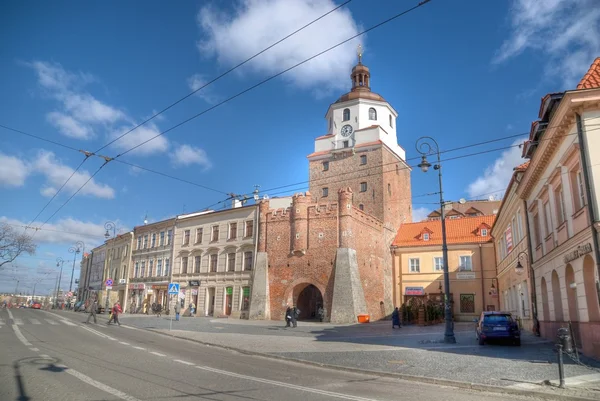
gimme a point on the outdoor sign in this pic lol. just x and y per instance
(414, 291)
(508, 237)
(160, 286)
(229, 290)
(194, 291)
(465, 276)
(194, 283)
(108, 282)
(580, 251)
(137, 286)
(173, 288)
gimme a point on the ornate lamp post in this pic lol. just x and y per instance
(109, 225)
(59, 262)
(75, 250)
(428, 146)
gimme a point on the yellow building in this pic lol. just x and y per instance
(418, 265)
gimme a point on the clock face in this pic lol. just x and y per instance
(346, 130)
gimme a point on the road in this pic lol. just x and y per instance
(46, 356)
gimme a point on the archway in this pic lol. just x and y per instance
(571, 294)
(589, 284)
(557, 298)
(308, 298)
(545, 310)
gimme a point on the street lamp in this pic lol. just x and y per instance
(109, 225)
(75, 250)
(427, 146)
(519, 269)
(59, 262)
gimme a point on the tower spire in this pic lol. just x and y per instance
(359, 52)
(360, 74)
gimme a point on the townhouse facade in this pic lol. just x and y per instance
(419, 265)
(116, 268)
(84, 275)
(96, 274)
(151, 261)
(214, 255)
(561, 188)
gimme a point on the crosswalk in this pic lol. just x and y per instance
(33, 321)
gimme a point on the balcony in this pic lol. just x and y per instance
(344, 144)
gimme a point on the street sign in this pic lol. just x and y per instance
(108, 282)
(69, 294)
(173, 288)
(109, 287)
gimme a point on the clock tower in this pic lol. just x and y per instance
(360, 151)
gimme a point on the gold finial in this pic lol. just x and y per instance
(359, 52)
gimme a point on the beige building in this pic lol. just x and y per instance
(151, 261)
(561, 187)
(214, 254)
(512, 255)
(418, 265)
(116, 268)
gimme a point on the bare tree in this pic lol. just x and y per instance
(13, 244)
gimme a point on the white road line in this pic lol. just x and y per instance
(51, 321)
(68, 323)
(184, 362)
(35, 349)
(97, 384)
(157, 353)
(124, 343)
(18, 321)
(34, 321)
(286, 385)
(18, 333)
(1, 322)
(140, 348)
(45, 356)
(96, 332)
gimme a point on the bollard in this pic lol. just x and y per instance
(561, 368)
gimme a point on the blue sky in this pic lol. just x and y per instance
(82, 73)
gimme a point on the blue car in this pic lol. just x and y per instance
(498, 326)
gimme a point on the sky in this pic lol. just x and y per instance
(81, 74)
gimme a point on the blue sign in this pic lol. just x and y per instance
(173, 288)
(109, 282)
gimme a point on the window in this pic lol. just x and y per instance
(169, 236)
(167, 266)
(465, 263)
(560, 205)
(248, 260)
(153, 244)
(150, 267)
(363, 160)
(159, 267)
(536, 229)
(325, 166)
(414, 265)
(580, 189)
(363, 187)
(514, 232)
(346, 115)
(361, 206)
(143, 270)
(391, 121)
(245, 298)
(139, 243)
(125, 250)
(249, 228)
(346, 144)
(325, 192)
(161, 241)
(484, 232)
(438, 263)
(186, 237)
(467, 303)
(372, 114)
(184, 263)
(232, 230)
(197, 264)
(425, 236)
(145, 241)
(231, 262)
(389, 189)
(215, 233)
(199, 233)
(136, 271)
(520, 224)
(548, 218)
(213, 263)
(330, 123)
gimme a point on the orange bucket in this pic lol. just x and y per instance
(363, 318)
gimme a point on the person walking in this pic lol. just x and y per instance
(288, 316)
(321, 313)
(396, 318)
(295, 314)
(116, 310)
(177, 310)
(192, 309)
(93, 309)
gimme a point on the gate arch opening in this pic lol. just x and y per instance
(308, 298)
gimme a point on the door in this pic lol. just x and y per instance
(210, 301)
(228, 300)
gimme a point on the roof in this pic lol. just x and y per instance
(486, 207)
(592, 78)
(522, 167)
(458, 231)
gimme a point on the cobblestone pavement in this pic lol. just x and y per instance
(412, 350)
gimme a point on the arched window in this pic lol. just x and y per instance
(346, 115)
(372, 114)
(391, 121)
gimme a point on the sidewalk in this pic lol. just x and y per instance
(411, 352)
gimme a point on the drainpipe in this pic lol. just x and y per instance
(588, 186)
(536, 322)
(482, 284)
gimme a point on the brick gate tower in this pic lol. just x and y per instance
(330, 247)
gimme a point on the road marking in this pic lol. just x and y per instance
(124, 343)
(157, 353)
(68, 323)
(45, 356)
(578, 380)
(34, 321)
(286, 385)
(35, 349)
(18, 333)
(97, 384)
(184, 362)
(96, 332)
(51, 321)
(140, 348)
(18, 321)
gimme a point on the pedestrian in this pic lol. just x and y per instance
(396, 318)
(177, 310)
(288, 316)
(93, 309)
(295, 315)
(115, 313)
(133, 307)
(158, 310)
(192, 309)
(154, 308)
(321, 313)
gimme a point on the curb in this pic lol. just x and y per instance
(403, 376)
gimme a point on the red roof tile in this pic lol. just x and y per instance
(592, 78)
(458, 231)
(522, 167)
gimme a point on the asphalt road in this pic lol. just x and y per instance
(46, 356)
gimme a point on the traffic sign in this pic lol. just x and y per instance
(69, 294)
(108, 282)
(173, 288)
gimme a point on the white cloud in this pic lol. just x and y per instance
(141, 134)
(68, 126)
(196, 82)
(13, 171)
(497, 175)
(56, 174)
(565, 31)
(64, 231)
(185, 155)
(258, 23)
(420, 213)
(135, 171)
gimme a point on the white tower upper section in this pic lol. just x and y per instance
(360, 118)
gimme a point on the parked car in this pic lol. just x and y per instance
(497, 326)
(79, 306)
(36, 305)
